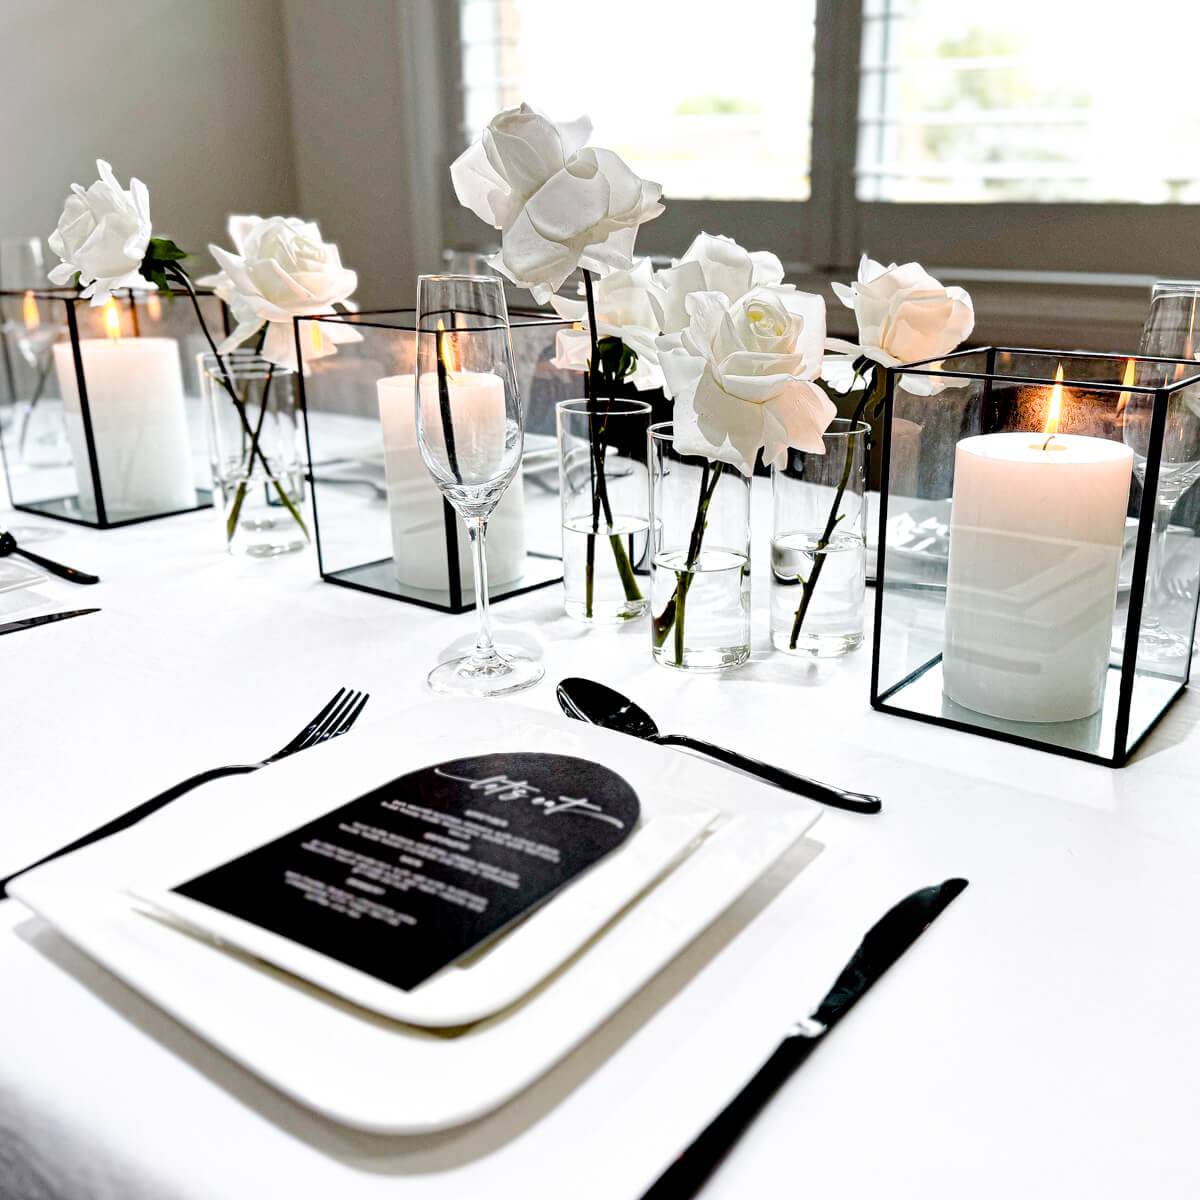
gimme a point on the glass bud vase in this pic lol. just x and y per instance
(700, 559)
(258, 479)
(605, 498)
(818, 546)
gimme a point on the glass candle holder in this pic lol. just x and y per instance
(605, 496)
(1019, 603)
(818, 545)
(700, 558)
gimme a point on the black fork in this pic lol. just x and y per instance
(333, 720)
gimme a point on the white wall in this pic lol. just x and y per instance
(188, 95)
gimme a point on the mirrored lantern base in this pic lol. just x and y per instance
(922, 696)
(505, 671)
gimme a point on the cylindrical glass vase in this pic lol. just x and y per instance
(700, 558)
(257, 475)
(818, 546)
(605, 498)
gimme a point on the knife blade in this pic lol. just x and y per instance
(30, 622)
(884, 943)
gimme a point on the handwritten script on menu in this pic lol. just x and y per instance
(403, 881)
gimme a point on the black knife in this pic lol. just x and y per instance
(30, 622)
(887, 939)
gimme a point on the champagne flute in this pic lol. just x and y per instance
(470, 434)
(1170, 331)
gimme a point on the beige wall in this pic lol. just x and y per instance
(188, 95)
(354, 84)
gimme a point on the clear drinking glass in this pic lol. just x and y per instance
(818, 546)
(605, 497)
(700, 558)
(470, 434)
(257, 473)
(1170, 331)
(29, 332)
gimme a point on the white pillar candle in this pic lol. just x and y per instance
(1036, 531)
(135, 398)
(415, 504)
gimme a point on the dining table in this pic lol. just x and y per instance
(1037, 1041)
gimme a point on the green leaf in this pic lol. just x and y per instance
(161, 253)
(164, 250)
(615, 360)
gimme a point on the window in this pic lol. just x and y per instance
(1028, 101)
(681, 92)
(997, 144)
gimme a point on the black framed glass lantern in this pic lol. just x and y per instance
(381, 524)
(105, 425)
(1038, 563)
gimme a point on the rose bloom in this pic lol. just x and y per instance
(281, 269)
(904, 315)
(623, 310)
(742, 372)
(712, 263)
(103, 234)
(559, 204)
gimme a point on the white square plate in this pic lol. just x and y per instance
(352, 1065)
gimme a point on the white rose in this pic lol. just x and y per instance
(281, 269)
(712, 263)
(558, 203)
(904, 315)
(103, 234)
(742, 373)
(623, 310)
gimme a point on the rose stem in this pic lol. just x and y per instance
(673, 613)
(599, 482)
(808, 586)
(179, 274)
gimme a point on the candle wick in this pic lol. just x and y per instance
(1047, 442)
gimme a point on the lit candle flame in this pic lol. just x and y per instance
(1055, 403)
(317, 344)
(154, 306)
(29, 310)
(446, 350)
(112, 321)
(1127, 380)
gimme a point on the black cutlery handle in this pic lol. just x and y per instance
(826, 793)
(687, 1173)
(57, 568)
(132, 817)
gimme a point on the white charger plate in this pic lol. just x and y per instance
(356, 1067)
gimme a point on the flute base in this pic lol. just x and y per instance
(507, 670)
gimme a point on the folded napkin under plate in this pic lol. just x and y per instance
(548, 981)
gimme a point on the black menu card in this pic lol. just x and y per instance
(406, 879)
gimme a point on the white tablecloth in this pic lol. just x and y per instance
(1038, 1042)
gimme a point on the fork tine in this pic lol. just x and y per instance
(297, 742)
(351, 716)
(321, 732)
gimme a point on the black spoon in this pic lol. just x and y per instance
(586, 700)
(8, 545)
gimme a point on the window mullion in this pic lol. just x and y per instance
(835, 238)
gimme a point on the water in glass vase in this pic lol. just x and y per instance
(702, 613)
(832, 622)
(616, 596)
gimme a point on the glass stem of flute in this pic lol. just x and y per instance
(485, 649)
